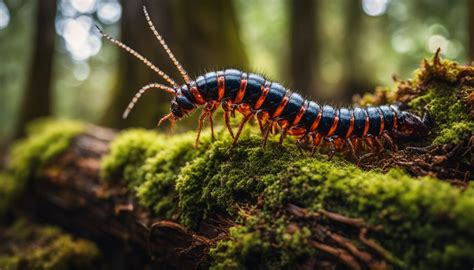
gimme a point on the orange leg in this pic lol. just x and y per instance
(211, 109)
(332, 147)
(317, 138)
(241, 126)
(164, 118)
(267, 128)
(227, 123)
(284, 129)
(202, 118)
(351, 148)
(379, 143)
(389, 140)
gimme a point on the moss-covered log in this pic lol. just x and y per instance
(249, 207)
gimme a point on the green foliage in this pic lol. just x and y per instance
(29, 246)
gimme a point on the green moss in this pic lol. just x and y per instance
(440, 83)
(150, 163)
(29, 246)
(46, 139)
(423, 219)
(128, 152)
(8, 192)
(253, 245)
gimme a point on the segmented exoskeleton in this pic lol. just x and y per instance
(277, 108)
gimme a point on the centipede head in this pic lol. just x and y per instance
(413, 127)
(181, 105)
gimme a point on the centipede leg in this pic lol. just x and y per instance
(262, 120)
(332, 147)
(317, 138)
(351, 148)
(211, 109)
(299, 143)
(227, 123)
(241, 126)
(284, 129)
(379, 143)
(202, 118)
(268, 126)
(389, 140)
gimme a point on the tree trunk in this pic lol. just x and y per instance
(203, 36)
(303, 45)
(356, 81)
(37, 97)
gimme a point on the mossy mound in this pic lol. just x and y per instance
(29, 246)
(426, 223)
(445, 89)
(45, 139)
(148, 163)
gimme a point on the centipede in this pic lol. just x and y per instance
(276, 109)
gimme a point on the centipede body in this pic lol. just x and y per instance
(276, 107)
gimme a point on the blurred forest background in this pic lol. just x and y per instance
(54, 62)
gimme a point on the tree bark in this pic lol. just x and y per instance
(303, 44)
(37, 96)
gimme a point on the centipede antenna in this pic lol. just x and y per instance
(141, 92)
(139, 56)
(180, 68)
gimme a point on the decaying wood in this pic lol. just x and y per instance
(69, 193)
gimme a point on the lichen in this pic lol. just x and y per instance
(29, 246)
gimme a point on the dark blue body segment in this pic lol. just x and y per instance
(374, 119)
(211, 82)
(274, 97)
(399, 114)
(329, 113)
(360, 116)
(292, 107)
(388, 117)
(186, 93)
(344, 122)
(310, 115)
(184, 102)
(201, 85)
(254, 88)
(232, 82)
